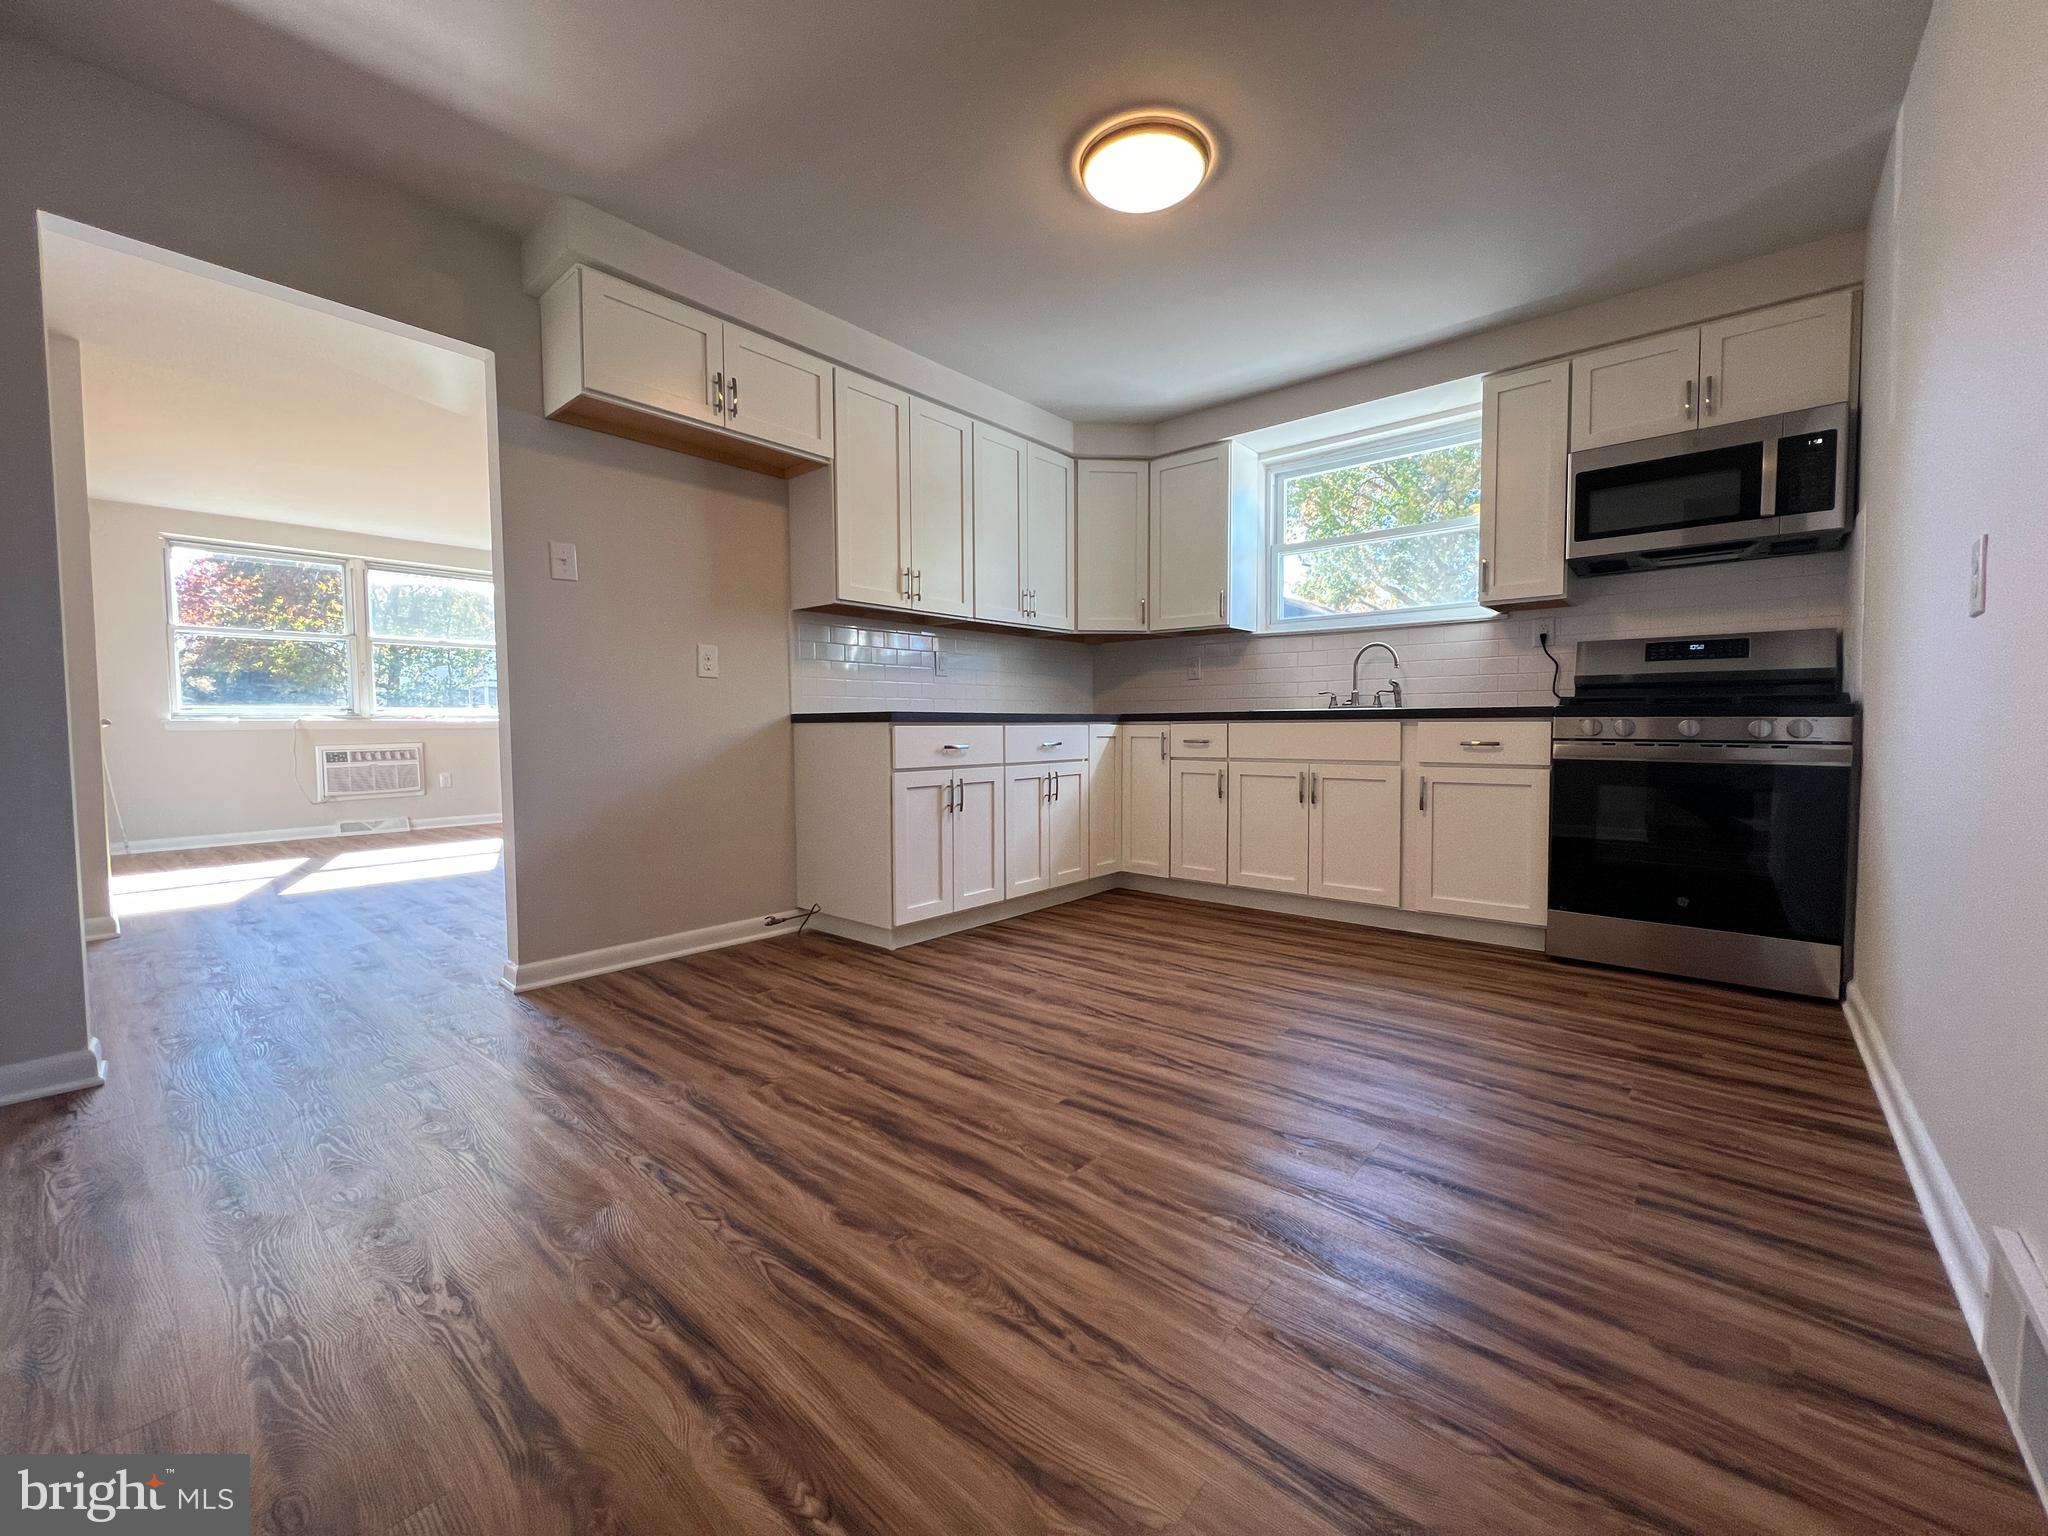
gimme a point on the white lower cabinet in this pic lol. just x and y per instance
(1148, 814)
(1045, 820)
(946, 842)
(1354, 832)
(1476, 842)
(1269, 826)
(1105, 800)
(1199, 825)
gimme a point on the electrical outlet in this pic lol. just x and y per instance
(1194, 665)
(707, 661)
(447, 781)
(561, 560)
(1980, 560)
(938, 663)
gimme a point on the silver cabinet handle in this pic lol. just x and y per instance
(1047, 746)
(1162, 746)
(917, 588)
(1484, 584)
(1494, 744)
(954, 746)
(1056, 786)
(732, 398)
(1047, 787)
(1688, 398)
(903, 583)
(1707, 396)
(1219, 783)
(1313, 784)
(1301, 786)
(1195, 741)
(1143, 620)
(1422, 797)
(1219, 602)
(718, 394)
(952, 795)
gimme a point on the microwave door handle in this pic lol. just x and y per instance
(1767, 488)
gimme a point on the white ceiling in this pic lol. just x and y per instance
(1392, 172)
(209, 397)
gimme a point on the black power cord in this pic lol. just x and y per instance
(1556, 671)
(806, 915)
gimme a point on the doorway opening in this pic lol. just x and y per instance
(282, 597)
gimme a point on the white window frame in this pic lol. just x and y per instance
(1397, 443)
(355, 635)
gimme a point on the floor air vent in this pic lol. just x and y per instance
(2016, 1346)
(362, 773)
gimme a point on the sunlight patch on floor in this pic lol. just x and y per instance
(183, 890)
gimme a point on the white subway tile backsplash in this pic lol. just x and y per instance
(840, 665)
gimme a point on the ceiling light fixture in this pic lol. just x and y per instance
(1144, 164)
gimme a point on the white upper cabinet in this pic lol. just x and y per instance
(1113, 545)
(1205, 539)
(849, 525)
(1048, 538)
(1790, 357)
(648, 349)
(623, 359)
(1524, 485)
(941, 555)
(1638, 389)
(998, 525)
(775, 392)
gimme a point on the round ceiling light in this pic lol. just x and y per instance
(1145, 164)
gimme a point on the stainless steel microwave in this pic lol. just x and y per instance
(1778, 485)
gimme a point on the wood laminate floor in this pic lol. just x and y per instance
(1130, 1215)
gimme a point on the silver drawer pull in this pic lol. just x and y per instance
(1047, 746)
(1479, 744)
(1194, 741)
(954, 746)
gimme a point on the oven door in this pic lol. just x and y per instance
(1735, 839)
(1675, 493)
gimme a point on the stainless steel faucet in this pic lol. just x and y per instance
(1393, 684)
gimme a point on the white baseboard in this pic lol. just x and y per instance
(287, 834)
(66, 1072)
(98, 928)
(524, 976)
(1956, 1239)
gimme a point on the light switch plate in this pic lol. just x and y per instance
(1980, 560)
(562, 561)
(707, 661)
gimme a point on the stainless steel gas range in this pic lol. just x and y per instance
(1702, 809)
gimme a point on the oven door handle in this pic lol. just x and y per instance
(1762, 755)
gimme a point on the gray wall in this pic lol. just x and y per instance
(634, 790)
(1950, 965)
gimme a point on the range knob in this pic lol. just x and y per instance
(1799, 730)
(1688, 728)
(1624, 727)
(1590, 727)
(1759, 729)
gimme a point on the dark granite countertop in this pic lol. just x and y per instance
(979, 717)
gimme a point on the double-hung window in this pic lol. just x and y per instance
(1380, 527)
(262, 633)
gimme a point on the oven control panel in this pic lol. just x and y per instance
(1622, 731)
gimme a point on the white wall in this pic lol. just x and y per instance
(74, 534)
(174, 782)
(1953, 874)
(642, 803)
(1483, 662)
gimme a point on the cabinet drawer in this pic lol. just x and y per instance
(947, 746)
(1054, 741)
(1200, 740)
(1517, 743)
(1326, 741)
